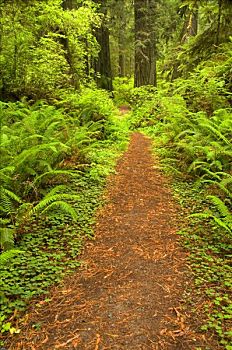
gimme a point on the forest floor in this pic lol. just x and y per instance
(129, 293)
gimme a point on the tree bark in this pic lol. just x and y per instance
(121, 40)
(102, 65)
(145, 43)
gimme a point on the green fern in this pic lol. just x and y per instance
(223, 220)
(6, 256)
(54, 173)
(227, 181)
(10, 194)
(7, 200)
(38, 151)
(196, 165)
(221, 207)
(220, 222)
(223, 184)
(63, 206)
(6, 238)
(59, 189)
(216, 133)
(56, 199)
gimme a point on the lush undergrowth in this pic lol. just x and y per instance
(55, 159)
(191, 123)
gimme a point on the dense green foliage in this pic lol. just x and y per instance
(44, 47)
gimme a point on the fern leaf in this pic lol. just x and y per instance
(6, 256)
(49, 199)
(58, 189)
(214, 132)
(222, 223)
(64, 207)
(6, 238)
(184, 133)
(220, 205)
(227, 181)
(54, 173)
(11, 195)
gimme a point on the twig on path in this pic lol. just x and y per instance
(67, 342)
(97, 342)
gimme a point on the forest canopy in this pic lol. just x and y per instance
(51, 45)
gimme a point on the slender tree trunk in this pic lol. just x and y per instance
(194, 23)
(219, 21)
(121, 55)
(121, 41)
(145, 43)
(190, 27)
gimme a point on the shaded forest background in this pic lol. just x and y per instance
(52, 45)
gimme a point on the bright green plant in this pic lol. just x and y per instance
(44, 47)
(47, 247)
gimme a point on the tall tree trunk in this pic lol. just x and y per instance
(121, 41)
(145, 43)
(193, 23)
(121, 55)
(102, 65)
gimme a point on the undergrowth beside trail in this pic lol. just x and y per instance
(206, 234)
(55, 161)
(190, 121)
(210, 261)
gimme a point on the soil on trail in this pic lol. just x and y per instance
(124, 110)
(128, 293)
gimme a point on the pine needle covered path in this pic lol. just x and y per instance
(128, 293)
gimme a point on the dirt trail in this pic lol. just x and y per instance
(128, 294)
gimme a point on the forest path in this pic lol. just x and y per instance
(128, 293)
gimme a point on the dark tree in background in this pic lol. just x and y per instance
(145, 43)
(69, 4)
(102, 65)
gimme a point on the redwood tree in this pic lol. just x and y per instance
(145, 42)
(102, 65)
